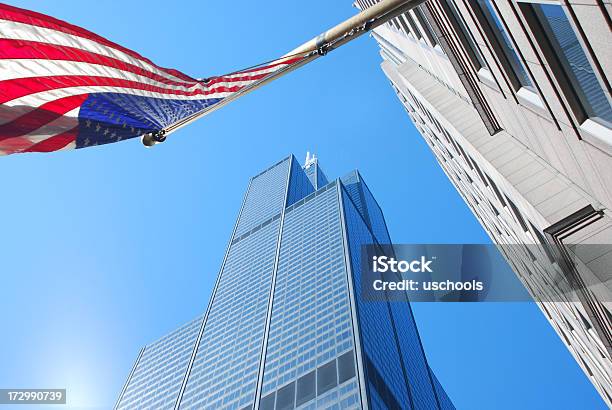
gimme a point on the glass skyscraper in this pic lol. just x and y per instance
(286, 327)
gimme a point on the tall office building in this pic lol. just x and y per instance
(286, 327)
(513, 98)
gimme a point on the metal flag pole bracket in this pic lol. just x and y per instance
(323, 50)
(153, 138)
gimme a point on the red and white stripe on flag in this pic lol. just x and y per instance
(51, 70)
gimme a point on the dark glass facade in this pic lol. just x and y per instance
(286, 327)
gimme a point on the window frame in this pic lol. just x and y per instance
(466, 39)
(528, 93)
(602, 132)
(427, 31)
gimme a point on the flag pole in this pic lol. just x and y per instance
(329, 40)
(357, 25)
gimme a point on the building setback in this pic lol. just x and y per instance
(286, 327)
(513, 98)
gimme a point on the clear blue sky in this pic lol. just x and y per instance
(106, 249)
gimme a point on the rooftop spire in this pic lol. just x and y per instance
(310, 159)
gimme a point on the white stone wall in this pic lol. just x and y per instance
(539, 169)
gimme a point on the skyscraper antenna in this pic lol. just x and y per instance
(309, 159)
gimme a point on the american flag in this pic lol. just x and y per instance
(63, 87)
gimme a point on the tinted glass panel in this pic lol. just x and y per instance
(326, 377)
(285, 397)
(267, 403)
(346, 367)
(306, 388)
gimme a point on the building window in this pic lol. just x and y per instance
(306, 388)
(285, 397)
(327, 377)
(416, 33)
(465, 36)
(518, 215)
(427, 29)
(267, 403)
(346, 367)
(504, 42)
(572, 60)
(404, 24)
